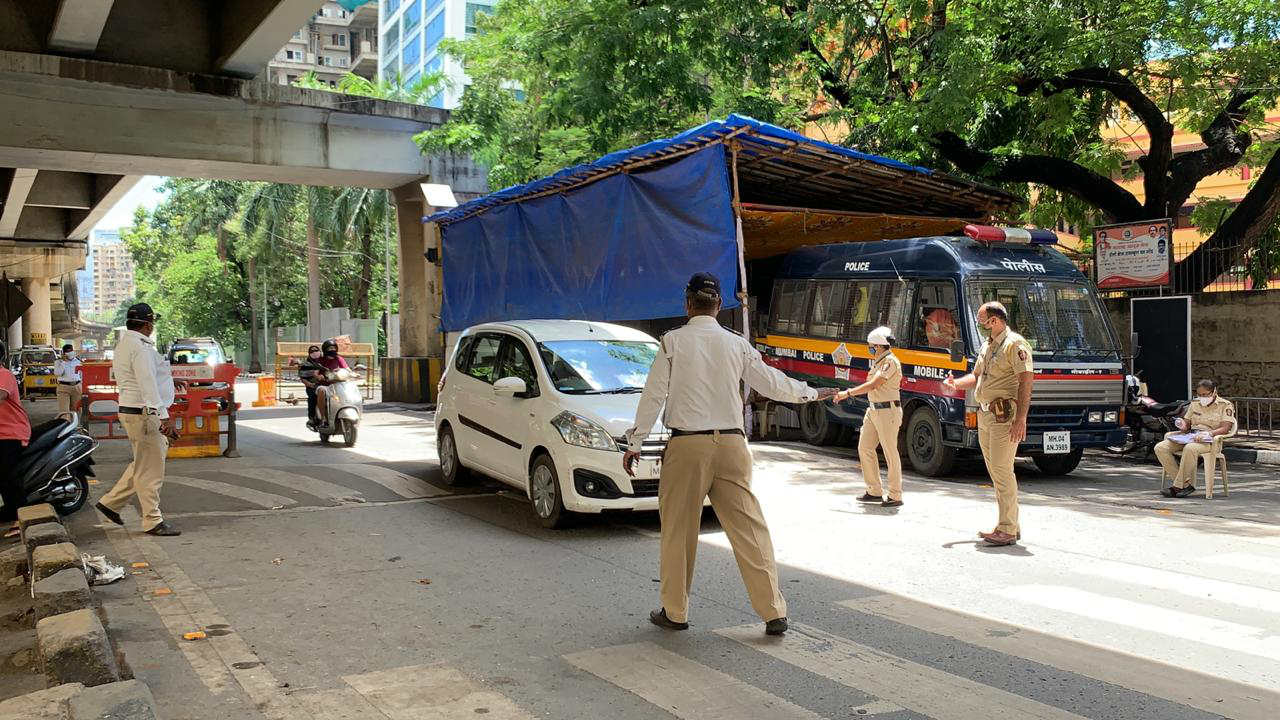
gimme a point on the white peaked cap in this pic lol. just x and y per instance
(880, 336)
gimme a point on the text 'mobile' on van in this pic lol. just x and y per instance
(826, 299)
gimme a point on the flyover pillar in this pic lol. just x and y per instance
(37, 321)
(14, 338)
(413, 377)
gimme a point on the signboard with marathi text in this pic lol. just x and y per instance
(1133, 255)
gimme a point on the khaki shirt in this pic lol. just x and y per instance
(1201, 417)
(1000, 361)
(888, 367)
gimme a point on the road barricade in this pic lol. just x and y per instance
(289, 355)
(203, 413)
(266, 391)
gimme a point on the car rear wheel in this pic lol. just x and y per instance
(545, 494)
(925, 449)
(451, 468)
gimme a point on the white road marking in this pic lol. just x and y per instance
(925, 690)
(682, 687)
(1246, 561)
(1187, 687)
(397, 482)
(249, 495)
(432, 692)
(1152, 618)
(1218, 591)
(293, 481)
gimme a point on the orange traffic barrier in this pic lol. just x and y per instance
(266, 391)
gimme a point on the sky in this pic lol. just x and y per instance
(144, 194)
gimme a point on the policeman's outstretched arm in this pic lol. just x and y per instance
(652, 399)
(772, 383)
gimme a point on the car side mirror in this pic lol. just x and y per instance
(509, 386)
(957, 351)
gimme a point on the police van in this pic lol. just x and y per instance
(826, 298)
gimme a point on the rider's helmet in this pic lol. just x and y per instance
(329, 346)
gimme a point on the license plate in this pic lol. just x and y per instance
(39, 381)
(1057, 442)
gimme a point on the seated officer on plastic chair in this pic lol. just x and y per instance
(1207, 417)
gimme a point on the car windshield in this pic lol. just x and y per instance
(39, 357)
(1056, 318)
(597, 366)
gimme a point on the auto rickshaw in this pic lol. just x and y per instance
(35, 362)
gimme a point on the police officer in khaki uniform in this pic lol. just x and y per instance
(67, 369)
(1002, 380)
(882, 420)
(696, 381)
(1207, 417)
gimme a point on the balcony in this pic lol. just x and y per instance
(365, 63)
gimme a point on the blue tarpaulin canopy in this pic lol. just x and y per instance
(617, 239)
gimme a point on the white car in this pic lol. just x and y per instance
(542, 405)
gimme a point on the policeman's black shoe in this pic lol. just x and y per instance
(1169, 492)
(777, 626)
(659, 617)
(1184, 491)
(164, 529)
(891, 503)
(867, 497)
(109, 514)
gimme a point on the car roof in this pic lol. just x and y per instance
(553, 330)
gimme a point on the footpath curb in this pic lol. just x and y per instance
(84, 677)
(1249, 455)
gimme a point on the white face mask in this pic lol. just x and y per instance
(1205, 400)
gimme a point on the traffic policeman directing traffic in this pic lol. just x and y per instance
(146, 391)
(67, 370)
(1002, 380)
(882, 419)
(697, 376)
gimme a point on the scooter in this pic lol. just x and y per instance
(1146, 419)
(344, 408)
(54, 468)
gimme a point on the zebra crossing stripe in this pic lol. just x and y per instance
(1245, 561)
(397, 482)
(928, 691)
(249, 495)
(437, 692)
(683, 687)
(1187, 687)
(301, 483)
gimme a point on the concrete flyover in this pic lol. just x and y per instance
(95, 94)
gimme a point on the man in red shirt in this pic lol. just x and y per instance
(15, 426)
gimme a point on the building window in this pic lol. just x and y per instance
(472, 10)
(435, 32)
(412, 51)
(391, 37)
(437, 101)
(412, 15)
(292, 79)
(342, 62)
(390, 6)
(409, 81)
(432, 65)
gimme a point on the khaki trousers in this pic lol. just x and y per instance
(145, 474)
(68, 398)
(719, 466)
(1184, 472)
(880, 427)
(998, 452)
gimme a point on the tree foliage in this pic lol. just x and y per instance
(1018, 93)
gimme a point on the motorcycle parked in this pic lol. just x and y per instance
(345, 406)
(54, 468)
(1147, 420)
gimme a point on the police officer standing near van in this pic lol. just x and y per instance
(882, 419)
(1002, 380)
(697, 376)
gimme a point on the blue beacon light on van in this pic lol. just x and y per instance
(991, 234)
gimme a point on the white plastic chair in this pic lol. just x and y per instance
(1211, 460)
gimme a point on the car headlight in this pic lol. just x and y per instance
(1095, 417)
(577, 430)
(1113, 416)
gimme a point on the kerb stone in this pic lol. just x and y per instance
(42, 705)
(62, 592)
(128, 700)
(73, 647)
(14, 561)
(45, 534)
(35, 515)
(49, 559)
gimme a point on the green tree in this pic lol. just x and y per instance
(1012, 92)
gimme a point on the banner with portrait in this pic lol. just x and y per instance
(1133, 255)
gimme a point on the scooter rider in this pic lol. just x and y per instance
(310, 372)
(330, 360)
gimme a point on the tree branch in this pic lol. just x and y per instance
(1065, 176)
(1240, 232)
(1225, 145)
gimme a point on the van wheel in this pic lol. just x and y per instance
(545, 493)
(816, 424)
(928, 455)
(455, 475)
(1058, 464)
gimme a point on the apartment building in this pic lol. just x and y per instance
(411, 32)
(334, 42)
(112, 272)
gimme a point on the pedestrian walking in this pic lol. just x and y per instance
(15, 429)
(1209, 416)
(67, 370)
(1002, 380)
(882, 419)
(146, 391)
(695, 381)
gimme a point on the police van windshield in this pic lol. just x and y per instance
(588, 367)
(1056, 317)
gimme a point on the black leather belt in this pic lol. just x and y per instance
(63, 382)
(883, 405)
(136, 411)
(731, 431)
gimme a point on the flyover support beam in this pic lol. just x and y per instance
(419, 284)
(37, 321)
(15, 337)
